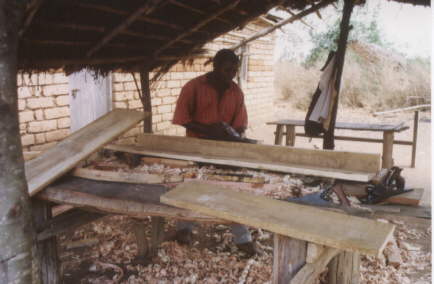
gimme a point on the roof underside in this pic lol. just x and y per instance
(110, 35)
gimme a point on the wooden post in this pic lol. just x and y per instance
(289, 258)
(414, 142)
(278, 135)
(290, 135)
(139, 233)
(387, 159)
(46, 250)
(157, 233)
(145, 97)
(344, 269)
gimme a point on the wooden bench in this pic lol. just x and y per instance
(296, 227)
(388, 140)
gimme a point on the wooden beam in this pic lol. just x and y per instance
(196, 27)
(127, 177)
(297, 221)
(195, 10)
(120, 206)
(146, 9)
(61, 158)
(31, 10)
(293, 14)
(142, 18)
(346, 165)
(66, 222)
(294, 18)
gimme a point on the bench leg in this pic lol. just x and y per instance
(344, 269)
(278, 135)
(413, 146)
(388, 137)
(157, 234)
(290, 135)
(289, 258)
(46, 251)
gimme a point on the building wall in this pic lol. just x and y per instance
(44, 100)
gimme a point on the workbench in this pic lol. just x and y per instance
(388, 131)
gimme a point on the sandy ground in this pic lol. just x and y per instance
(420, 176)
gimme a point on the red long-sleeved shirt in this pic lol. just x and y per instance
(200, 102)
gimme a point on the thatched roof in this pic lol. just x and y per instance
(127, 35)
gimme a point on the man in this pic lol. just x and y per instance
(211, 106)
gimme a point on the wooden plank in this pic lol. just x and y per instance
(289, 256)
(334, 164)
(127, 177)
(136, 200)
(361, 139)
(348, 125)
(343, 175)
(414, 142)
(294, 220)
(56, 161)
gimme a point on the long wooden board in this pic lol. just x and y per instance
(76, 147)
(297, 221)
(333, 164)
(348, 125)
(128, 177)
(135, 200)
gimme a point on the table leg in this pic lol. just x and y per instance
(344, 269)
(388, 137)
(278, 135)
(290, 135)
(413, 146)
(289, 258)
(46, 250)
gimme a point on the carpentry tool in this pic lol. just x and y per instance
(388, 183)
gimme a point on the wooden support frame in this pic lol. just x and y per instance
(200, 12)
(288, 258)
(65, 222)
(196, 27)
(292, 19)
(146, 9)
(345, 268)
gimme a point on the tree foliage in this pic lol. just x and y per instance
(364, 28)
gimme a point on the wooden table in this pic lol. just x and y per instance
(388, 140)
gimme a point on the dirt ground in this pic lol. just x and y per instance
(107, 249)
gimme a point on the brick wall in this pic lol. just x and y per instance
(44, 101)
(43, 105)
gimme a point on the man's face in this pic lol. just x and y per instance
(226, 71)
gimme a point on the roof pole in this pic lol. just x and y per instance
(329, 136)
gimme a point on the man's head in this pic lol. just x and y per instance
(225, 64)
